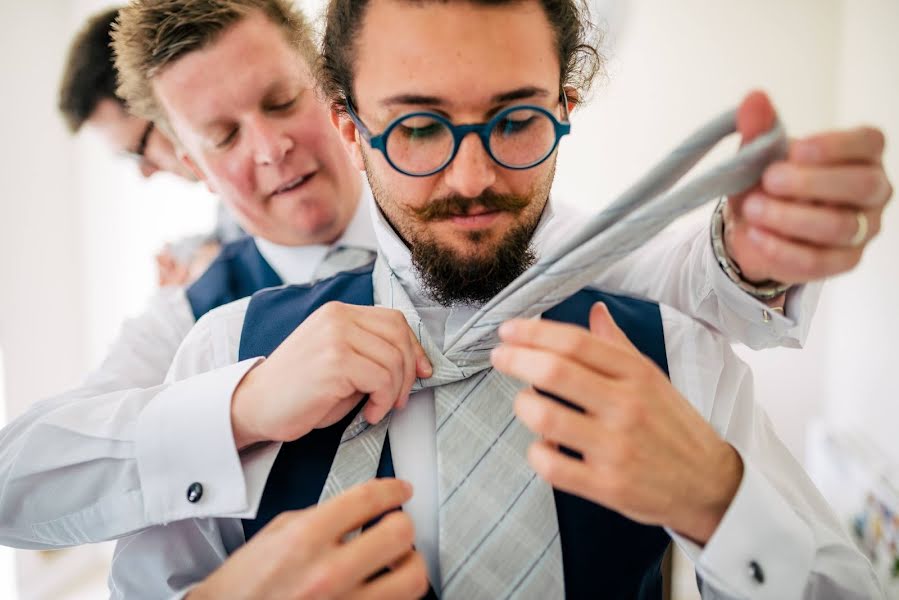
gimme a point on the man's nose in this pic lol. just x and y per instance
(472, 170)
(270, 143)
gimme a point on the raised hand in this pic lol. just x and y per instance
(323, 369)
(646, 452)
(814, 213)
(301, 554)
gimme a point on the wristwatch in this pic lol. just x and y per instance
(762, 290)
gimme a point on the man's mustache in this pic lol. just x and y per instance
(454, 206)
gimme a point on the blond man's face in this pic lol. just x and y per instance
(246, 112)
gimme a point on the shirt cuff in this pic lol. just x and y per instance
(761, 549)
(765, 328)
(188, 463)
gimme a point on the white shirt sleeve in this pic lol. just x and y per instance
(57, 455)
(779, 538)
(184, 437)
(118, 454)
(678, 268)
(166, 562)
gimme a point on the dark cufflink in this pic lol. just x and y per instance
(195, 492)
(755, 571)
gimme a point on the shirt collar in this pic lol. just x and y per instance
(297, 264)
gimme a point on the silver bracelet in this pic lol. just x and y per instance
(763, 290)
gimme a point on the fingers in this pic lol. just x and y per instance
(554, 374)
(362, 374)
(555, 422)
(603, 325)
(811, 223)
(340, 410)
(790, 261)
(562, 339)
(862, 144)
(859, 186)
(366, 555)
(391, 325)
(564, 472)
(423, 366)
(377, 351)
(397, 361)
(408, 579)
(358, 505)
(755, 116)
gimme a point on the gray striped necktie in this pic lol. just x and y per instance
(499, 535)
(342, 258)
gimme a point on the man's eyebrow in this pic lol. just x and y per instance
(521, 94)
(421, 100)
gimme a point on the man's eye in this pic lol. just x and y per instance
(511, 125)
(284, 106)
(227, 140)
(421, 131)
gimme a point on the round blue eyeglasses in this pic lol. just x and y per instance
(424, 143)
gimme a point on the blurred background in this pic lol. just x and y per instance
(80, 226)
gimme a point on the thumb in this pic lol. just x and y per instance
(755, 116)
(603, 325)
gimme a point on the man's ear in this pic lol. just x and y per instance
(572, 96)
(349, 135)
(191, 166)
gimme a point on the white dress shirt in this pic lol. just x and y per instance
(777, 520)
(93, 464)
(68, 466)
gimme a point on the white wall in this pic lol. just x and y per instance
(41, 271)
(863, 358)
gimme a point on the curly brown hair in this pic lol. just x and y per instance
(89, 75)
(577, 43)
(152, 34)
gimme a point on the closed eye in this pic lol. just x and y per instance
(422, 132)
(284, 106)
(228, 139)
(511, 126)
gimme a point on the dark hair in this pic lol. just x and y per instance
(577, 44)
(89, 75)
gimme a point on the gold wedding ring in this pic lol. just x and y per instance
(862, 232)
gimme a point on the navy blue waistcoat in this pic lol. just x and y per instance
(237, 272)
(605, 555)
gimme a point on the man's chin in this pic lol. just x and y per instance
(305, 228)
(470, 242)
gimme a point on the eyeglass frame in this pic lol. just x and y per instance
(379, 142)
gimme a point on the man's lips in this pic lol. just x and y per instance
(476, 218)
(293, 184)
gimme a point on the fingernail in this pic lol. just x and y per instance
(753, 207)
(776, 179)
(496, 354)
(506, 329)
(755, 235)
(807, 151)
(425, 366)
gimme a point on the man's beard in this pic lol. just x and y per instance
(449, 279)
